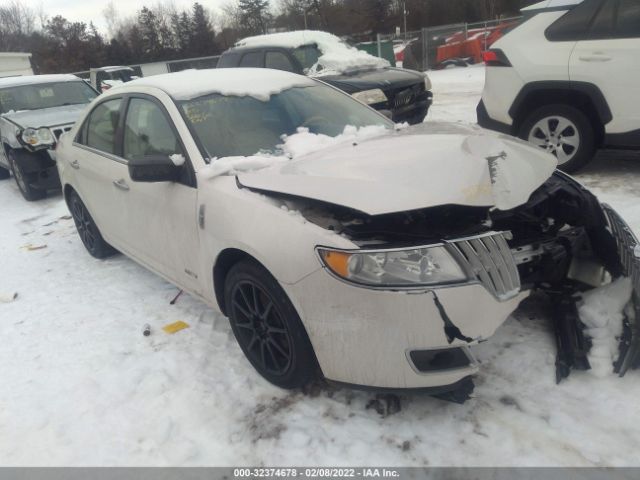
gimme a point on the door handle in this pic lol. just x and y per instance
(595, 58)
(75, 164)
(121, 184)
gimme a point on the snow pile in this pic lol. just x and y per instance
(337, 56)
(602, 311)
(238, 82)
(300, 143)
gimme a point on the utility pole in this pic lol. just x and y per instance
(404, 13)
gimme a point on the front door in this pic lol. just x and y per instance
(160, 219)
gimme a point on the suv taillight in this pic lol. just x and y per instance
(495, 58)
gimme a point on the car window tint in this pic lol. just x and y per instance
(147, 131)
(574, 24)
(252, 59)
(102, 126)
(604, 21)
(278, 61)
(628, 25)
(228, 60)
(307, 55)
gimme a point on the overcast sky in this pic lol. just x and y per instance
(91, 10)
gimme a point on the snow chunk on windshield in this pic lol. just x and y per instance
(336, 56)
(259, 83)
(602, 311)
(300, 143)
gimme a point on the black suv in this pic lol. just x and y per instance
(402, 95)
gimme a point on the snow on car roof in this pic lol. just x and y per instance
(112, 68)
(36, 79)
(551, 5)
(337, 56)
(259, 83)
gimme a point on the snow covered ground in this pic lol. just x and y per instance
(81, 385)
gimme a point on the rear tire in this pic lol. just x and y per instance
(88, 230)
(24, 179)
(267, 327)
(564, 131)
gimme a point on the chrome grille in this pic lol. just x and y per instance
(489, 259)
(407, 96)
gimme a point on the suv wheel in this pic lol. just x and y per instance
(563, 131)
(24, 179)
(267, 327)
(88, 230)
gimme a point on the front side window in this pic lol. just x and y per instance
(147, 131)
(278, 61)
(102, 126)
(252, 59)
(242, 126)
(45, 95)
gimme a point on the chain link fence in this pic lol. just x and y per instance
(436, 47)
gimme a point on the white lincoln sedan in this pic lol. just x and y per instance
(339, 245)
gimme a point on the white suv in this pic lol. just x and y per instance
(568, 78)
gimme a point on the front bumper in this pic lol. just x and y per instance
(366, 337)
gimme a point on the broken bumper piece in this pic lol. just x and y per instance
(629, 253)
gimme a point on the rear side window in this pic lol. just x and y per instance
(628, 25)
(574, 25)
(228, 60)
(278, 61)
(102, 126)
(252, 59)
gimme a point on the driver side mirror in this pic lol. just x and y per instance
(156, 168)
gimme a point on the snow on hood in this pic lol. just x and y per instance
(46, 117)
(417, 167)
(259, 83)
(337, 56)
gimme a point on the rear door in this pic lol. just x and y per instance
(98, 168)
(609, 57)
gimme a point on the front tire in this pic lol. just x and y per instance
(24, 179)
(88, 230)
(268, 328)
(564, 131)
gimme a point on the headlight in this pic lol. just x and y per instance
(427, 83)
(371, 96)
(396, 268)
(41, 136)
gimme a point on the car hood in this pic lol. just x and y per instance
(418, 167)
(383, 78)
(46, 117)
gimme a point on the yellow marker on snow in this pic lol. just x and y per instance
(175, 327)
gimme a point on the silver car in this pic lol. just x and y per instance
(34, 111)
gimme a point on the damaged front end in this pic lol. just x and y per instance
(561, 242)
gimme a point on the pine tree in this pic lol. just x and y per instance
(255, 15)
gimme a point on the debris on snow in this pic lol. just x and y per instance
(146, 330)
(602, 311)
(32, 248)
(8, 297)
(175, 327)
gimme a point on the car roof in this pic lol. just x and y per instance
(260, 83)
(551, 5)
(36, 79)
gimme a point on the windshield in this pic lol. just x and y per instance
(45, 95)
(228, 126)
